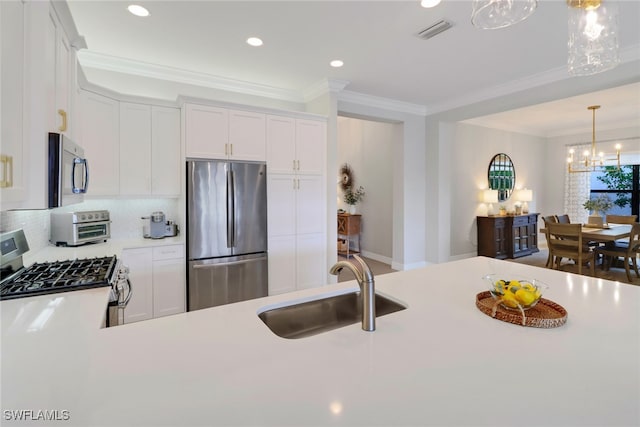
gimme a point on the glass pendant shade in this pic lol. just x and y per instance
(593, 36)
(494, 14)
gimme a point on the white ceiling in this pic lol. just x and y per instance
(377, 41)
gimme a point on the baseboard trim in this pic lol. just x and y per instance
(377, 257)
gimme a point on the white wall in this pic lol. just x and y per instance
(409, 181)
(472, 149)
(367, 146)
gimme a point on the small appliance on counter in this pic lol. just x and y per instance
(157, 227)
(79, 228)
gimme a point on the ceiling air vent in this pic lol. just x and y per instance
(434, 29)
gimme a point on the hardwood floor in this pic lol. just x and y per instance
(377, 268)
(539, 259)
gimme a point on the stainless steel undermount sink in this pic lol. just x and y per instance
(321, 315)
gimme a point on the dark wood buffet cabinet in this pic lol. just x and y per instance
(510, 236)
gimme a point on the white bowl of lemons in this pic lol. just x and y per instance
(515, 293)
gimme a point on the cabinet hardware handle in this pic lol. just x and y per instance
(294, 164)
(63, 126)
(7, 171)
(231, 151)
(298, 164)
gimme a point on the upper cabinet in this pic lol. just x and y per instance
(295, 145)
(221, 133)
(12, 36)
(38, 95)
(133, 149)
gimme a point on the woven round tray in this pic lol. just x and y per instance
(545, 314)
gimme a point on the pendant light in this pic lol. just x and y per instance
(494, 14)
(591, 161)
(593, 36)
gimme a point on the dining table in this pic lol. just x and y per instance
(607, 233)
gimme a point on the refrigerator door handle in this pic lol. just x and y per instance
(244, 261)
(231, 209)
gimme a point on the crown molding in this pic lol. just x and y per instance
(323, 86)
(383, 103)
(143, 69)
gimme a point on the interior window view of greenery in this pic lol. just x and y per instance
(622, 186)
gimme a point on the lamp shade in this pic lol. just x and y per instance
(490, 196)
(525, 195)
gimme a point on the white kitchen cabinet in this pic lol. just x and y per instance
(140, 264)
(168, 280)
(295, 145)
(99, 136)
(135, 149)
(12, 63)
(165, 151)
(158, 281)
(220, 133)
(296, 224)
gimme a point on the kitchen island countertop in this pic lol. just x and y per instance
(439, 362)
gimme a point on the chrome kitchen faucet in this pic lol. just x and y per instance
(367, 289)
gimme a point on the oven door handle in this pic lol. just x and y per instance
(123, 304)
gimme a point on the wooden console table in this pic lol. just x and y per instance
(510, 236)
(348, 227)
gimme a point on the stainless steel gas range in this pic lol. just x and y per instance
(45, 278)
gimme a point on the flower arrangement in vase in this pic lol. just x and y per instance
(352, 198)
(598, 206)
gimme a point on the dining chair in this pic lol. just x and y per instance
(549, 219)
(564, 219)
(629, 251)
(565, 241)
(621, 219)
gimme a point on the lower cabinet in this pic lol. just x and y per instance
(157, 280)
(507, 236)
(296, 262)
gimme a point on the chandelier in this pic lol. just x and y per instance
(591, 161)
(593, 41)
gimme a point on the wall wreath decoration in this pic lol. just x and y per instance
(346, 177)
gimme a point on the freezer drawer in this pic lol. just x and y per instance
(221, 281)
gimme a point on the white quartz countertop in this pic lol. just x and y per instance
(439, 362)
(91, 250)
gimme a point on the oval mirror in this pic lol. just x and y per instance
(502, 176)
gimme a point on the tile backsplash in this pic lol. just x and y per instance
(126, 222)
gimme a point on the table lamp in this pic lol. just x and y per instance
(525, 196)
(489, 197)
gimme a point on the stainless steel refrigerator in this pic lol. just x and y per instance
(226, 232)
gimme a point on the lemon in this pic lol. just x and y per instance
(509, 300)
(525, 297)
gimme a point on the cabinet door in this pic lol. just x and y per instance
(281, 205)
(310, 204)
(140, 265)
(206, 131)
(311, 142)
(12, 186)
(311, 269)
(62, 111)
(168, 287)
(247, 136)
(135, 149)
(165, 151)
(100, 140)
(281, 144)
(282, 264)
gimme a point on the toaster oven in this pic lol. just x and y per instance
(79, 228)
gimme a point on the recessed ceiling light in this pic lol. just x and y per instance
(254, 41)
(429, 3)
(138, 10)
(336, 63)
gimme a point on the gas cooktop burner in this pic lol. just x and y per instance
(59, 276)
